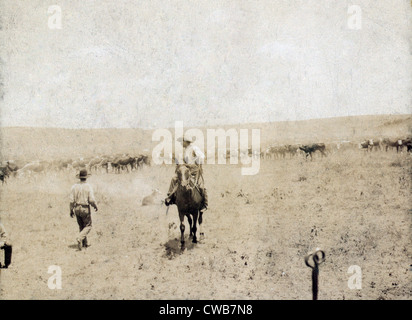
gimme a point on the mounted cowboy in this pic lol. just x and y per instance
(193, 159)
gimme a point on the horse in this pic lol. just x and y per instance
(188, 202)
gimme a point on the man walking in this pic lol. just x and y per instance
(81, 198)
(6, 246)
(193, 158)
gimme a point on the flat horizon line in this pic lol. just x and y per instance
(206, 126)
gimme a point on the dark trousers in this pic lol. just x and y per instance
(7, 255)
(203, 191)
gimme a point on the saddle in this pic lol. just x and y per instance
(195, 176)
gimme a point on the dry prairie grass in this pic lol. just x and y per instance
(258, 229)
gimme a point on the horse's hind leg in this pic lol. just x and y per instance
(182, 230)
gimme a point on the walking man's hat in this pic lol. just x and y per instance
(82, 174)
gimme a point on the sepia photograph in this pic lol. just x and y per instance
(205, 151)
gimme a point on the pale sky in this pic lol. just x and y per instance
(147, 64)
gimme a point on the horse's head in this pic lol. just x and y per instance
(183, 174)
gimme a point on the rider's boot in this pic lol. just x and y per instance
(171, 199)
(205, 201)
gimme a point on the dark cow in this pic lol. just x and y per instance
(313, 148)
(142, 160)
(364, 145)
(123, 162)
(408, 146)
(397, 143)
(407, 143)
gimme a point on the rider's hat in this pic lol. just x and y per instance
(187, 139)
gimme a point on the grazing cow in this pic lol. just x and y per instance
(292, 150)
(364, 145)
(406, 143)
(375, 144)
(94, 163)
(397, 143)
(408, 146)
(79, 164)
(134, 165)
(106, 163)
(64, 164)
(123, 163)
(277, 152)
(244, 154)
(268, 153)
(143, 160)
(313, 148)
(232, 155)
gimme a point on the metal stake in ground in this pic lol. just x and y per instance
(313, 260)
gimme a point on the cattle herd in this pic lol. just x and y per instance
(112, 163)
(385, 144)
(308, 150)
(128, 163)
(278, 152)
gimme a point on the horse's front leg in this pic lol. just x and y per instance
(200, 224)
(194, 228)
(189, 219)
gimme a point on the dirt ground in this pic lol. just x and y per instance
(355, 206)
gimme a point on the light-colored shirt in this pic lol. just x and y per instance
(82, 193)
(193, 155)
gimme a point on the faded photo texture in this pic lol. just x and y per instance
(300, 118)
